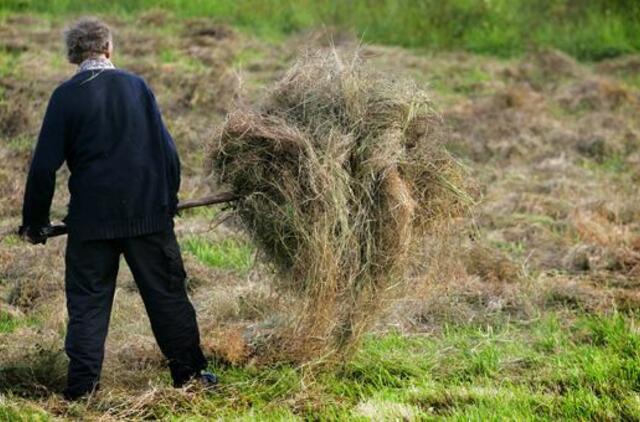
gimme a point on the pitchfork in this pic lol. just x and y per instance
(61, 229)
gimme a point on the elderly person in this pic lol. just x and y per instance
(125, 174)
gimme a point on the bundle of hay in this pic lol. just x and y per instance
(342, 174)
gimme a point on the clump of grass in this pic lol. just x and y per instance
(10, 411)
(342, 172)
(228, 254)
(8, 323)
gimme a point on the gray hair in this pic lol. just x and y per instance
(87, 37)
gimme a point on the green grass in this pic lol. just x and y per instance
(20, 144)
(180, 60)
(210, 212)
(632, 79)
(514, 248)
(228, 254)
(20, 412)
(560, 366)
(8, 65)
(9, 324)
(588, 30)
(11, 240)
(548, 369)
(611, 163)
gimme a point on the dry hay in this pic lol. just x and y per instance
(492, 264)
(15, 117)
(342, 172)
(620, 66)
(598, 94)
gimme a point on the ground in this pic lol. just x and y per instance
(527, 311)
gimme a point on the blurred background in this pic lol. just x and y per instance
(586, 29)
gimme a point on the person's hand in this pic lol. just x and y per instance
(33, 234)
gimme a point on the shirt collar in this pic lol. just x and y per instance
(95, 63)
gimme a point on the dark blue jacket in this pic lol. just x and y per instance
(125, 170)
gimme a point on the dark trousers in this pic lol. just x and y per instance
(156, 264)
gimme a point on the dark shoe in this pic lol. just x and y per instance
(208, 379)
(204, 379)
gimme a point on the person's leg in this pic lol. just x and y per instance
(157, 267)
(90, 279)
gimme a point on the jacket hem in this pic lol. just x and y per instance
(120, 229)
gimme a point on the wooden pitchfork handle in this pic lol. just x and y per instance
(221, 198)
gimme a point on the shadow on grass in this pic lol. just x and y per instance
(39, 372)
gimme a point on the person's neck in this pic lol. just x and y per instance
(99, 57)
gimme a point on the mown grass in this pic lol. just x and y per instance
(228, 254)
(553, 368)
(547, 369)
(588, 30)
(560, 366)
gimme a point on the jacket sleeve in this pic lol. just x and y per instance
(172, 158)
(47, 158)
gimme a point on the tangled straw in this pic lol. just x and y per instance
(343, 173)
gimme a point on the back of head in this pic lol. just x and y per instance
(86, 38)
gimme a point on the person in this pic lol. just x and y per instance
(124, 180)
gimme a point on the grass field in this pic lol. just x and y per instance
(529, 311)
(592, 29)
(586, 369)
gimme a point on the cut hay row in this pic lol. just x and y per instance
(343, 173)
